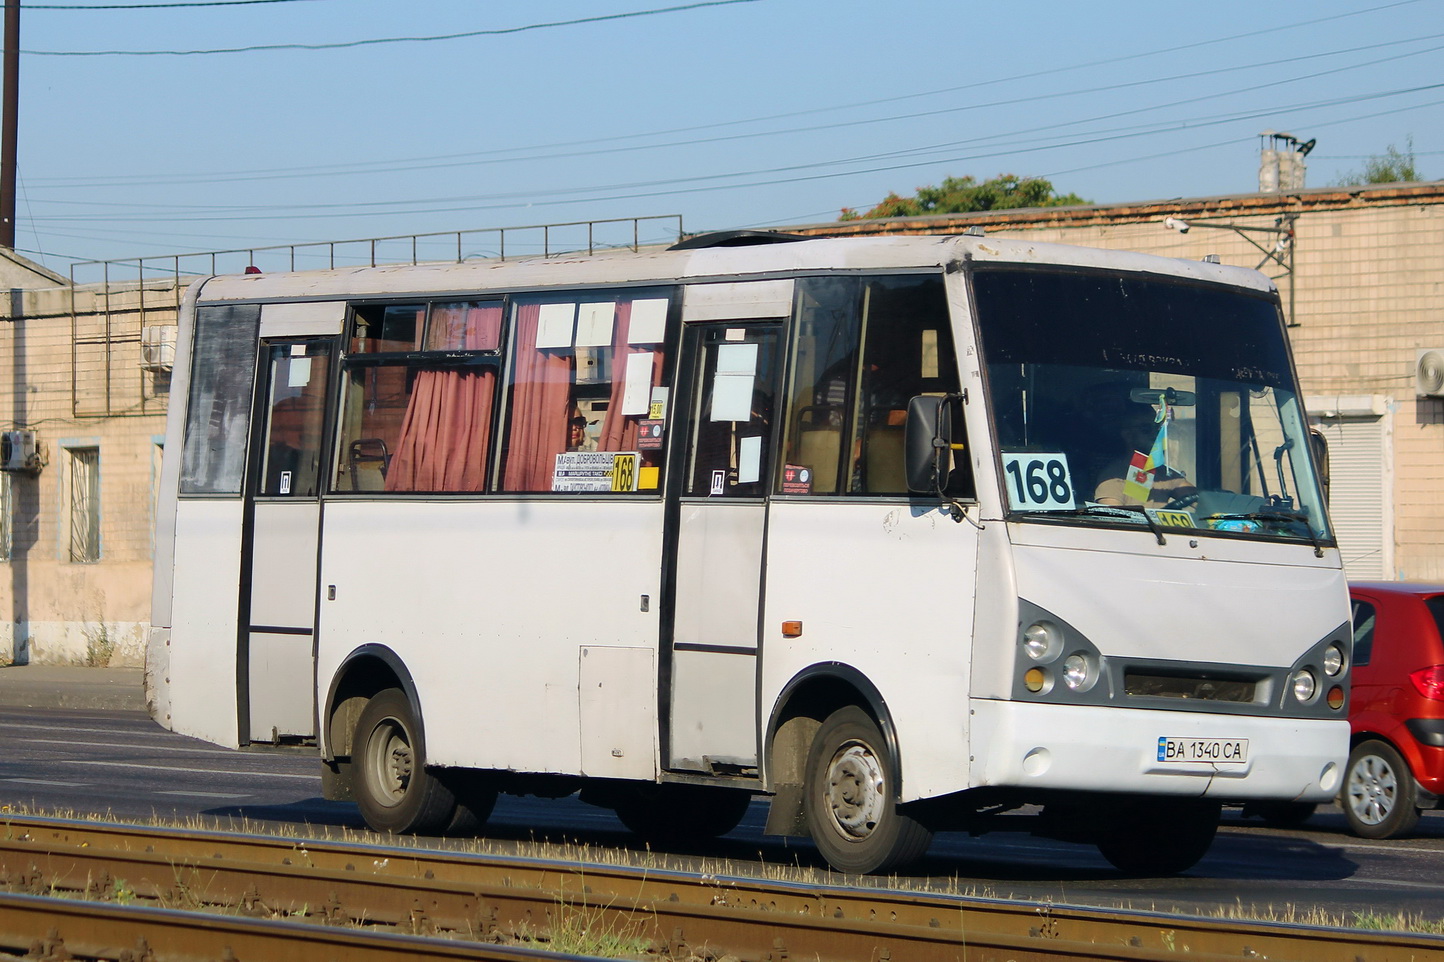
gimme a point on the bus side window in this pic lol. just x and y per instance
(587, 403)
(418, 388)
(907, 351)
(863, 348)
(820, 386)
(223, 369)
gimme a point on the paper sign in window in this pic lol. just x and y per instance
(649, 321)
(732, 384)
(299, 372)
(638, 391)
(554, 325)
(749, 460)
(594, 324)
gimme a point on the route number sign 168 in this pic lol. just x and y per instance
(1038, 481)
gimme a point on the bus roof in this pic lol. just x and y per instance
(626, 267)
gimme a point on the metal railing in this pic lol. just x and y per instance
(569, 237)
(131, 293)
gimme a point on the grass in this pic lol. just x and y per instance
(585, 928)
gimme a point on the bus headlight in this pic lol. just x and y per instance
(1333, 660)
(1041, 641)
(1304, 685)
(1078, 672)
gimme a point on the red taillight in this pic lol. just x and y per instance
(1429, 681)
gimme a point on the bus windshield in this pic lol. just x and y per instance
(1134, 399)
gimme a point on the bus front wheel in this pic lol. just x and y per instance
(393, 788)
(851, 801)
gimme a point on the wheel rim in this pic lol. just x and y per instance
(856, 791)
(1373, 789)
(389, 757)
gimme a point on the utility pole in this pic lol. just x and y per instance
(10, 122)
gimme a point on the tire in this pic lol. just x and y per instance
(681, 813)
(394, 790)
(850, 799)
(476, 796)
(1380, 797)
(1159, 836)
(1281, 814)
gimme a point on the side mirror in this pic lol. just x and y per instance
(927, 441)
(1320, 447)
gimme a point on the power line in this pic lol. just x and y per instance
(674, 186)
(498, 32)
(491, 157)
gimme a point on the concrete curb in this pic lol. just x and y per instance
(72, 687)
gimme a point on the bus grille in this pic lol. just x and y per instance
(1152, 684)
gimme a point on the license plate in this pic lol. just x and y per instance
(1220, 750)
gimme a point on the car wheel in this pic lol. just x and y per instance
(851, 801)
(393, 788)
(1380, 798)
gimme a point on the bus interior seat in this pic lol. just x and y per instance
(819, 444)
(368, 460)
(883, 462)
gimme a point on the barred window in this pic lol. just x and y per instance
(84, 507)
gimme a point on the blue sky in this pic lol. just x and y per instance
(731, 113)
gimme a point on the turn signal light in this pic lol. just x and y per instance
(1429, 681)
(1034, 679)
(792, 629)
(1336, 698)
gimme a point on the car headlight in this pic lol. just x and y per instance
(1333, 660)
(1305, 685)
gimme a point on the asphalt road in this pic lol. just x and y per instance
(120, 763)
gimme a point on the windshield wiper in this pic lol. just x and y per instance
(1093, 510)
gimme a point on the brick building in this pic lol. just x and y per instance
(76, 517)
(1361, 271)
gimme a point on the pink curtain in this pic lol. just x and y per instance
(619, 431)
(540, 406)
(464, 327)
(446, 434)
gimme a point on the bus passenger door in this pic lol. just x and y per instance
(717, 560)
(278, 591)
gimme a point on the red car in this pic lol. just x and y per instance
(1396, 763)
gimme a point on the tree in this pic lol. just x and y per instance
(1393, 166)
(962, 195)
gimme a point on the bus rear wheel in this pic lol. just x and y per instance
(851, 801)
(1159, 836)
(393, 788)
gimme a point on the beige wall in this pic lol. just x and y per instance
(78, 382)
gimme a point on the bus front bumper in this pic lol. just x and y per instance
(1093, 749)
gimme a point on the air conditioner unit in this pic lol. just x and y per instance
(157, 347)
(1429, 372)
(17, 451)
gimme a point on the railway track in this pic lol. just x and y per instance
(209, 895)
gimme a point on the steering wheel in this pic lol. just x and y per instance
(1184, 501)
